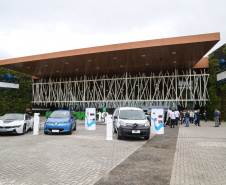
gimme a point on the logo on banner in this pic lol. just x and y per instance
(221, 72)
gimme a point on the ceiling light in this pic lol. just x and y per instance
(143, 55)
(46, 65)
(66, 62)
(174, 53)
(28, 67)
(174, 62)
(147, 64)
(115, 58)
(89, 60)
(76, 69)
(57, 71)
(121, 65)
(97, 67)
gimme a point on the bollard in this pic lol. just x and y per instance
(109, 128)
(36, 124)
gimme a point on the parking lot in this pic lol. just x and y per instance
(194, 155)
(81, 158)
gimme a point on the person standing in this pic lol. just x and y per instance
(181, 117)
(205, 115)
(173, 117)
(169, 117)
(219, 117)
(198, 115)
(177, 114)
(187, 116)
(191, 116)
(216, 118)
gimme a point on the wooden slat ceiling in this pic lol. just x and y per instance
(145, 56)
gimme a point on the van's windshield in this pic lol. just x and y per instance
(132, 114)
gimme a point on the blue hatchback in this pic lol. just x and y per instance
(60, 121)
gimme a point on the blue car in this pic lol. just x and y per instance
(60, 121)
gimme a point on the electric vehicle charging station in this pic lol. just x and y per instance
(36, 124)
(157, 121)
(90, 119)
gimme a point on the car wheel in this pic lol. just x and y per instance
(70, 131)
(147, 137)
(46, 132)
(118, 136)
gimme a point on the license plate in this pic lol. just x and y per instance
(136, 131)
(55, 130)
(3, 130)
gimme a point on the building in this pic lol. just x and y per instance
(163, 72)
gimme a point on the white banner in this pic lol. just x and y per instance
(9, 85)
(221, 76)
(157, 124)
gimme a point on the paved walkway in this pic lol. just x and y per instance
(200, 156)
(196, 156)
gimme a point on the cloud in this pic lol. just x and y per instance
(35, 27)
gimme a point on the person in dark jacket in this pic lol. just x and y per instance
(198, 115)
(216, 117)
(205, 115)
(181, 117)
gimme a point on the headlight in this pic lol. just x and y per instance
(122, 123)
(146, 124)
(17, 126)
(66, 122)
(48, 121)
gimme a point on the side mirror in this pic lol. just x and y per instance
(115, 117)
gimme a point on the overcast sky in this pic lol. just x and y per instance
(30, 27)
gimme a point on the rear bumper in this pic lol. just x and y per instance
(127, 131)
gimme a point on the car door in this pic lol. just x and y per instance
(27, 121)
(115, 118)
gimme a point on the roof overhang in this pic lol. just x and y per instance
(144, 56)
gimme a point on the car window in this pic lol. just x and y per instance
(132, 114)
(60, 114)
(13, 117)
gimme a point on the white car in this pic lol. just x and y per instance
(130, 122)
(16, 123)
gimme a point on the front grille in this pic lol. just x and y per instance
(5, 127)
(61, 129)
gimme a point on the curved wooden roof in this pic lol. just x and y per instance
(143, 56)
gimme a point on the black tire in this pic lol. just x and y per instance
(70, 131)
(46, 132)
(147, 137)
(118, 136)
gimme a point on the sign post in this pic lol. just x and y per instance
(157, 123)
(109, 128)
(36, 124)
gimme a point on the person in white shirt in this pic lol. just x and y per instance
(173, 117)
(169, 118)
(177, 114)
(191, 117)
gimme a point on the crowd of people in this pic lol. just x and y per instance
(190, 117)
